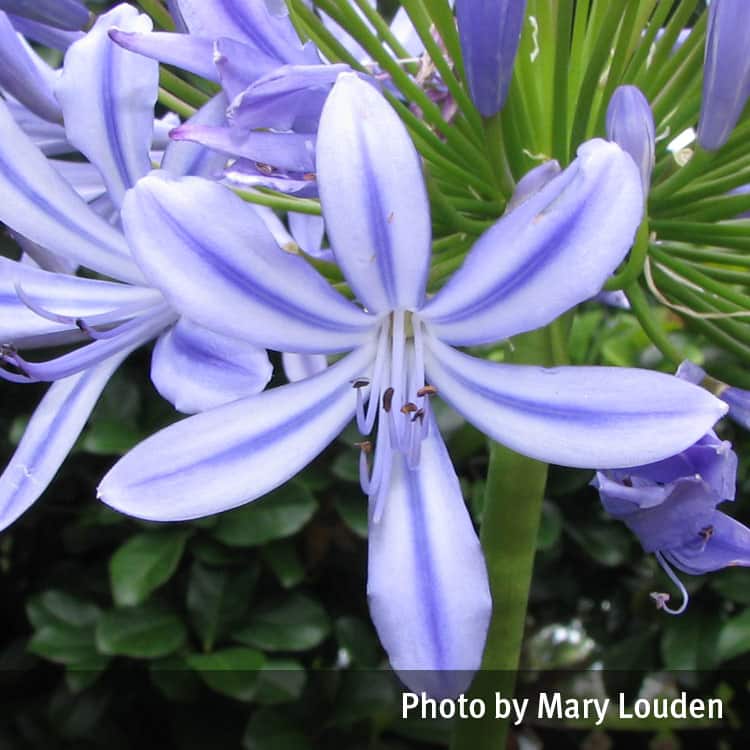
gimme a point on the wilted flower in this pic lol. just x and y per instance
(427, 582)
(726, 72)
(670, 506)
(490, 31)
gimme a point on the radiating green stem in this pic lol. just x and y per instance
(158, 13)
(510, 523)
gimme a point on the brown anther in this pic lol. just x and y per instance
(360, 383)
(706, 533)
(627, 481)
(408, 408)
(418, 415)
(427, 390)
(387, 399)
(390, 218)
(81, 325)
(365, 446)
(309, 177)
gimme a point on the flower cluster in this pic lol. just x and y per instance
(140, 233)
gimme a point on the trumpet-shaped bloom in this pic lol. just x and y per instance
(112, 127)
(726, 72)
(490, 31)
(670, 506)
(630, 124)
(427, 582)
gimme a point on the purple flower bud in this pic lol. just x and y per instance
(630, 124)
(726, 73)
(490, 31)
(63, 14)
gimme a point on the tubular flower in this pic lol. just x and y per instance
(427, 583)
(670, 506)
(53, 223)
(726, 72)
(630, 124)
(490, 31)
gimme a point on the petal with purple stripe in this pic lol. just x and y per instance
(519, 276)
(37, 202)
(216, 262)
(196, 369)
(592, 417)
(427, 582)
(236, 453)
(63, 14)
(113, 124)
(23, 76)
(375, 202)
(53, 429)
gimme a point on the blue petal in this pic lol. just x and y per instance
(62, 294)
(374, 198)
(38, 203)
(728, 545)
(47, 36)
(236, 453)
(427, 582)
(518, 277)
(48, 137)
(186, 158)
(24, 75)
(593, 417)
(248, 21)
(726, 73)
(64, 14)
(215, 260)
(196, 369)
(53, 429)
(490, 31)
(113, 124)
(301, 366)
(192, 53)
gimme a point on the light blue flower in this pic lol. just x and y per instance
(70, 15)
(427, 583)
(107, 96)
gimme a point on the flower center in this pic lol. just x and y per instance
(397, 399)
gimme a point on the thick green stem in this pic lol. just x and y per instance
(510, 523)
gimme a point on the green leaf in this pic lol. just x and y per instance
(81, 675)
(606, 543)
(357, 639)
(175, 679)
(284, 561)
(734, 637)
(280, 681)
(139, 632)
(55, 607)
(218, 599)
(233, 671)
(689, 642)
(268, 729)
(64, 644)
(297, 624)
(113, 427)
(353, 511)
(145, 562)
(278, 515)
(731, 583)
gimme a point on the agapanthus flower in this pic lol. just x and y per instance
(737, 399)
(490, 31)
(670, 506)
(630, 124)
(726, 72)
(107, 96)
(427, 583)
